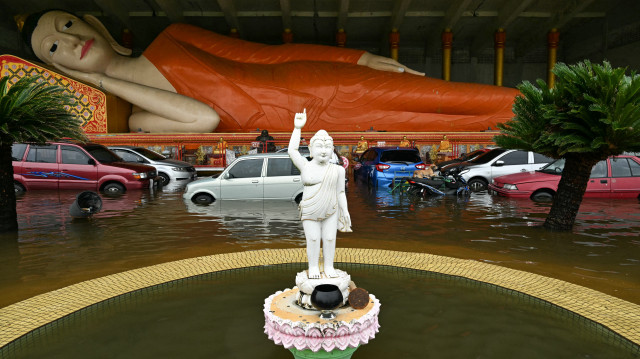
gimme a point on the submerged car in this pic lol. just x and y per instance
(82, 166)
(250, 177)
(382, 166)
(463, 157)
(615, 177)
(498, 162)
(169, 170)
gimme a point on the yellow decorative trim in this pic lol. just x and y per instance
(23, 317)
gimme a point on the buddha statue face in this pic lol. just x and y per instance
(64, 39)
(321, 146)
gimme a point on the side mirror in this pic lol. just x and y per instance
(92, 162)
(498, 163)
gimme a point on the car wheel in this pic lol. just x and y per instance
(298, 198)
(542, 196)
(164, 178)
(113, 188)
(477, 185)
(202, 198)
(17, 187)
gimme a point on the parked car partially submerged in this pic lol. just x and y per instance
(498, 162)
(463, 157)
(169, 170)
(250, 177)
(615, 177)
(82, 166)
(382, 166)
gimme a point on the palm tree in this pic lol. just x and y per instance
(30, 111)
(593, 112)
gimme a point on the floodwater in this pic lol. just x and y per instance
(143, 228)
(423, 315)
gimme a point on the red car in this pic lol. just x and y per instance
(616, 177)
(66, 165)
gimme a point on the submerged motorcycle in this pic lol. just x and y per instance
(450, 183)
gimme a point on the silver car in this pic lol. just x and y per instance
(250, 177)
(170, 171)
(499, 162)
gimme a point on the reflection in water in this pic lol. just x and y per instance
(142, 228)
(253, 220)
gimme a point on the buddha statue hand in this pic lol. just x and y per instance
(385, 64)
(300, 119)
(90, 77)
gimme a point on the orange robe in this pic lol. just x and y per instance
(262, 86)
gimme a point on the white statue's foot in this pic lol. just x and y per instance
(330, 272)
(314, 273)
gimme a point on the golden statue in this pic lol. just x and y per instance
(405, 142)
(445, 146)
(363, 145)
(221, 147)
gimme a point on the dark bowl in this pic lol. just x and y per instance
(326, 297)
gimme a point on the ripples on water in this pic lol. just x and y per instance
(143, 228)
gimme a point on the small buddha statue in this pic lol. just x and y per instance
(405, 142)
(445, 146)
(363, 145)
(221, 147)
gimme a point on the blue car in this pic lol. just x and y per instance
(383, 166)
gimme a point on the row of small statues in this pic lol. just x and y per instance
(363, 144)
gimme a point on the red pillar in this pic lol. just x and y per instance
(341, 38)
(394, 40)
(287, 36)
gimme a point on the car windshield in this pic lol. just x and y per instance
(554, 167)
(102, 154)
(400, 156)
(154, 156)
(488, 156)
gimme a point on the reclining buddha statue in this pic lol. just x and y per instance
(191, 80)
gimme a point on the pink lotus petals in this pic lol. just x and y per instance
(321, 335)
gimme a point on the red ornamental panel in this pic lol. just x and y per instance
(91, 104)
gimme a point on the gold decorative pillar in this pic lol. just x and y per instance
(394, 39)
(287, 36)
(499, 41)
(553, 38)
(234, 33)
(447, 41)
(341, 38)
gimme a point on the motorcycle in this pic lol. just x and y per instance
(450, 183)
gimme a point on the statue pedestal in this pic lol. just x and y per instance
(306, 335)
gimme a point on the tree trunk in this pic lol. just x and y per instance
(573, 184)
(8, 214)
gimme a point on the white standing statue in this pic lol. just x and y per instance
(323, 207)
